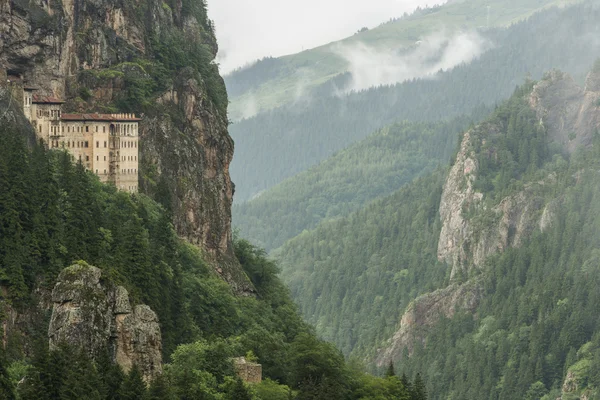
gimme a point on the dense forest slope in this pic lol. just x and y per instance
(273, 82)
(475, 270)
(110, 295)
(374, 167)
(280, 143)
(83, 332)
(149, 57)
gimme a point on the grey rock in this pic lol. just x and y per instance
(91, 313)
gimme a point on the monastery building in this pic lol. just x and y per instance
(106, 144)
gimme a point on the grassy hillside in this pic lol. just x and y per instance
(374, 167)
(273, 82)
(278, 144)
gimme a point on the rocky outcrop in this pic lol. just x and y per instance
(88, 51)
(424, 312)
(91, 313)
(457, 196)
(471, 232)
(570, 113)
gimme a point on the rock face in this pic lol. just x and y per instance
(60, 47)
(570, 114)
(424, 312)
(467, 241)
(91, 313)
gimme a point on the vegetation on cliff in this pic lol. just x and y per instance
(54, 213)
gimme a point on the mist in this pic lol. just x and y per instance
(372, 67)
(249, 30)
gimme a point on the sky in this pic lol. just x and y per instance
(251, 29)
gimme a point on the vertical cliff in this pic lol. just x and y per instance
(154, 58)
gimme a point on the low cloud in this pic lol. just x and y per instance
(372, 67)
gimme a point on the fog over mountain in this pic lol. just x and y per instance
(249, 30)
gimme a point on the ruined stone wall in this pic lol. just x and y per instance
(249, 372)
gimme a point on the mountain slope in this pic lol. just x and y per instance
(374, 274)
(271, 83)
(283, 142)
(374, 167)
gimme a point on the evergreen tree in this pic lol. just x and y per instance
(133, 387)
(419, 392)
(239, 391)
(390, 370)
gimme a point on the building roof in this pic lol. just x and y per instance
(37, 99)
(101, 117)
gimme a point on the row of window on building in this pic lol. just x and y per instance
(69, 144)
(48, 113)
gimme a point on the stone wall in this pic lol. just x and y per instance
(249, 372)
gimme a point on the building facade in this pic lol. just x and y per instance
(106, 144)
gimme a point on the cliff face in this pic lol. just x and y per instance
(91, 313)
(570, 113)
(472, 231)
(116, 55)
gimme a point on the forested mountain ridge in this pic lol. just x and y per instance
(273, 82)
(374, 167)
(283, 142)
(460, 255)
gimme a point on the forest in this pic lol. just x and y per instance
(280, 143)
(374, 167)
(54, 213)
(536, 324)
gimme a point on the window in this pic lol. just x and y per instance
(96, 172)
(96, 128)
(104, 172)
(87, 128)
(104, 158)
(40, 127)
(105, 143)
(97, 144)
(68, 129)
(87, 144)
(103, 129)
(97, 158)
(63, 129)
(87, 158)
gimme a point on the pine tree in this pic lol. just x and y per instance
(419, 392)
(133, 387)
(160, 389)
(238, 391)
(390, 370)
